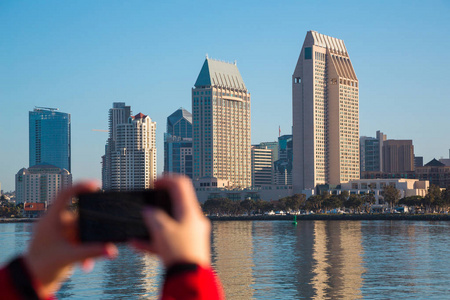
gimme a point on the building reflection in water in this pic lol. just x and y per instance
(132, 275)
(337, 260)
(232, 252)
(276, 260)
(320, 281)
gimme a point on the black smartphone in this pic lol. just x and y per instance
(117, 216)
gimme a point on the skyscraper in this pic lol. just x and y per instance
(325, 101)
(49, 134)
(261, 165)
(398, 156)
(178, 143)
(283, 166)
(221, 124)
(371, 152)
(129, 162)
(118, 114)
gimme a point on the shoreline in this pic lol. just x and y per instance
(338, 217)
(312, 217)
(18, 220)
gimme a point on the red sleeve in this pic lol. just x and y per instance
(7, 288)
(16, 282)
(197, 284)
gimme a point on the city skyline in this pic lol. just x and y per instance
(67, 60)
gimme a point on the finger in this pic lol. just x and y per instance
(87, 265)
(184, 199)
(156, 220)
(63, 198)
(88, 251)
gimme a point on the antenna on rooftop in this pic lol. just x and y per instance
(235, 62)
(206, 55)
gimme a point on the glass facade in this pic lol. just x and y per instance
(178, 143)
(283, 166)
(49, 133)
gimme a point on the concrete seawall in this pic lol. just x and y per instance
(318, 217)
(338, 217)
(17, 220)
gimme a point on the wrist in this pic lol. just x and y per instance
(24, 280)
(34, 271)
(203, 261)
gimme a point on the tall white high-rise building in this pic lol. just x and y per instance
(221, 125)
(130, 159)
(118, 114)
(325, 114)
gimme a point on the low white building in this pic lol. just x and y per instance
(407, 187)
(41, 183)
(213, 188)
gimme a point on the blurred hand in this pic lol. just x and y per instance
(185, 238)
(54, 247)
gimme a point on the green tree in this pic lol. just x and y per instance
(391, 195)
(446, 198)
(332, 202)
(8, 210)
(264, 206)
(344, 195)
(433, 197)
(354, 202)
(411, 201)
(281, 204)
(368, 200)
(249, 205)
(296, 201)
(314, 203)
(218, 206)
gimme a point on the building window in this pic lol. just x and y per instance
(308, 53)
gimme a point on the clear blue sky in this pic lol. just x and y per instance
(81, 56)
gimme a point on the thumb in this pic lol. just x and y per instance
(88, 251)
(156, 220)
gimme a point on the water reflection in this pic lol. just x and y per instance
(320, 281)
(132, 276)
(232, 251)
(277, 260)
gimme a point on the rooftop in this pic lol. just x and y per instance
(140, 116)
(219, 73)
(434, 163)
(179, 114)
(329, 42)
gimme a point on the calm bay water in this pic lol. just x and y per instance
(277, 260)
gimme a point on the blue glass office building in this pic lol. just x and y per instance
(49, 138)
(178, 143)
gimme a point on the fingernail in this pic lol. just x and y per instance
(110, 251)
(87, 266)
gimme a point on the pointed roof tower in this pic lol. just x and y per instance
(219, 73)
